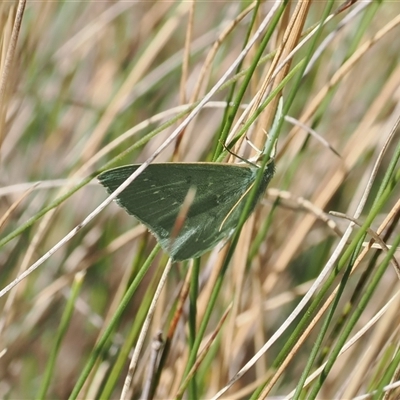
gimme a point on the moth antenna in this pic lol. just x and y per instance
(237, 156)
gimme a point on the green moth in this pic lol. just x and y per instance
(156, 196)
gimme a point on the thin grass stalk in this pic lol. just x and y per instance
(305, 320)
(365, 299)
(321, 335)
(244, 86)
(97, 350)
(230, 112)
(193, 294)
(62, 330)
(123, 355)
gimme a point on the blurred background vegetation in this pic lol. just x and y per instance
(90, 85)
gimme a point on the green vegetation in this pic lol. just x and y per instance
(91, 308)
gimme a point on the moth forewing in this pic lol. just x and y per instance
(182, 215)
(157, 197)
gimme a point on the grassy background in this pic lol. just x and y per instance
(90, 85)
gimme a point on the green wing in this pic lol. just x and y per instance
(156, 196)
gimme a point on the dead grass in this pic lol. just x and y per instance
(86, 86)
